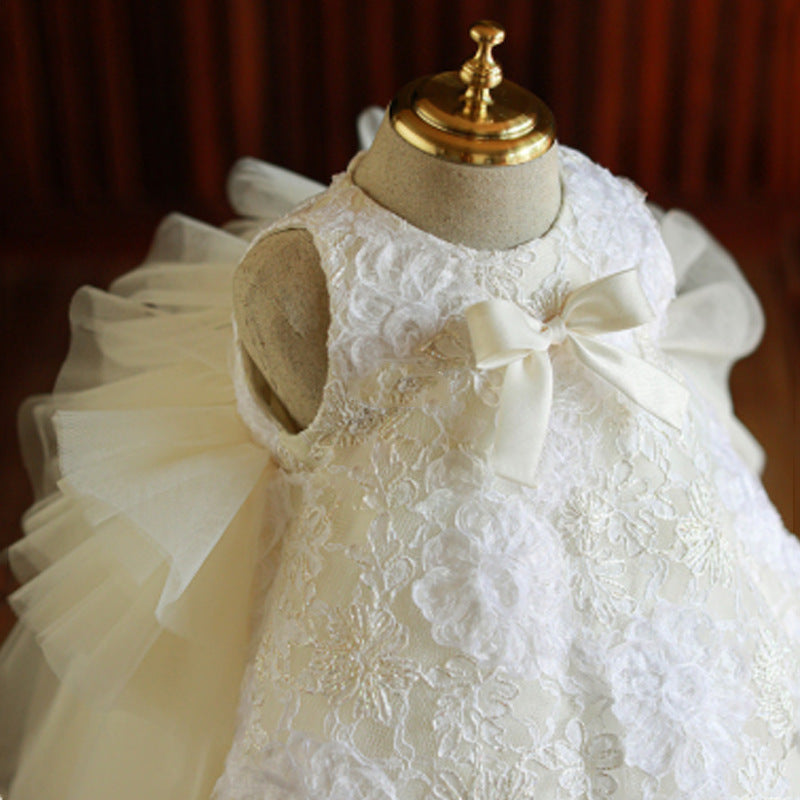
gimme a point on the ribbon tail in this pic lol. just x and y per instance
(522, 417)
(648, 386)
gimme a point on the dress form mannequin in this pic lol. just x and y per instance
(493, 193)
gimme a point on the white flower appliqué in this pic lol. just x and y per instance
(678, 693)
(492, 588)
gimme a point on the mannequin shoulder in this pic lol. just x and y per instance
(275, 265)
(280, 302)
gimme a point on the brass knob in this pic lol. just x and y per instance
(474, 115)
(481, 73)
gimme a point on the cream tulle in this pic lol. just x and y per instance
(714, 321)
(140, 556)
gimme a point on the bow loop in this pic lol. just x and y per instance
(507, 333)
(614, 303)
(504, 335)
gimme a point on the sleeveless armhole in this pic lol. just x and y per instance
(265, 420)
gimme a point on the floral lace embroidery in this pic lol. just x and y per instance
(358, 657)
(705, 548)
(584, 762)
(775, 671)
(494, 781)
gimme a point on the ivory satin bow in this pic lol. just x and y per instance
(504, 335)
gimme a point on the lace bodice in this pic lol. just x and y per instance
(385, 275)
(626, 627)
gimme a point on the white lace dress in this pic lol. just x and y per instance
(625, 627)
(410, 624)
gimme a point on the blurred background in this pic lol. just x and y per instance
(113, 112)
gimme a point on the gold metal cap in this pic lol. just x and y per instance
(474, 116)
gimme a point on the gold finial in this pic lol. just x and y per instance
(481, 73)
(474, 115)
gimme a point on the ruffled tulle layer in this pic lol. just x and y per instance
(139, 557)
(714, 321)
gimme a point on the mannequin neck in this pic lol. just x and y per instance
(486, 208)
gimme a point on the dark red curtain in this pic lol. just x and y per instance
(131, 101)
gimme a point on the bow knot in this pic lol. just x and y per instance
(503, 335)
(556, 329)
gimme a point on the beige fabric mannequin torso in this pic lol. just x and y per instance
(280, 297)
